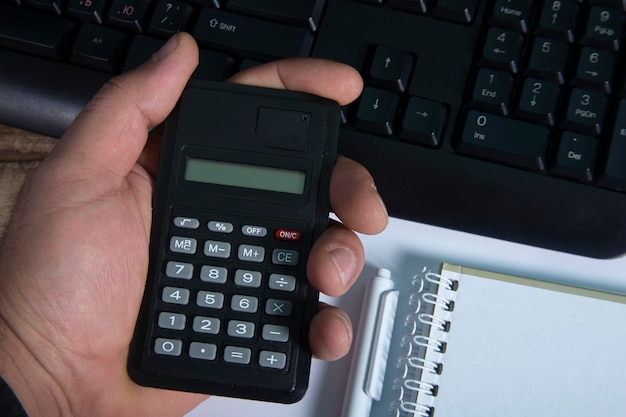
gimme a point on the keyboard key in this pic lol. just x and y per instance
(303, 13)
(140, 50)
(98, 47)
(423, 122)
(34, 32)
(390, 68)
(251, 37)
(128, 14)
(558, 19)
(538, 101)
(87, 10)
(595, 69)
(604, 28)
(460, 11)
(492, 91)
(503, 140)
(503, 49)
(376, 111)
(412, 6)
(585, 112)
(169, 17)
(51, 6)
(548, 59)
(614, 172)
(513, 14)
(576, 156)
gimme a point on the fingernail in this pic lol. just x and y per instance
(345, 262)
(169, 47)
(380, 199)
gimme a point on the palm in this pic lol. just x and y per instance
(90, 318)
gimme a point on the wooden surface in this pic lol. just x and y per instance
(20, 152)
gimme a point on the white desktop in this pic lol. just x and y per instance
(404, 240)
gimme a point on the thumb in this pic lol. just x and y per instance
(110, 133)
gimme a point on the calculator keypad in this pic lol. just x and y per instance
(228, 290)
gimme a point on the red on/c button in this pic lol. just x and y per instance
(286, 234)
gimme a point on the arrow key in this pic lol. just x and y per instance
(595, 69)
(503, 49)
(538, 101)
(423, 122)
(376, 111)
(390, 68)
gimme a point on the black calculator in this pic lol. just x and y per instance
(241, 194)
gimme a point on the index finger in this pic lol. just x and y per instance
(330, 79)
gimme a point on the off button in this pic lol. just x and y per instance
(254, 231)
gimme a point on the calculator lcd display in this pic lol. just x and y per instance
(244, 175)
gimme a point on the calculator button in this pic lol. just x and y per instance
(206, 351)
(174, 321)
(289, 235)
(254, 231)
(251, 253)
(210, 299)
(238, 328)
(173, 295)
(215, 274)
(210, 325)
(183, 245)
(235, 354)
(281, 282)
(276, 360)
(244, 304)
(245, 278)
(181, 270)
(170, 347)
(186, 222)
(285, 257)
(221, 227)
(217, 249)
(278, 307)
(275, 333)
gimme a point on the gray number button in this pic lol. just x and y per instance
(182, 270)
(170, 347)
(244, 303)
(175, 295)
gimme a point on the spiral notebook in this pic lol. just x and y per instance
(453, 341)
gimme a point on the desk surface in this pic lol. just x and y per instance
(20, 152)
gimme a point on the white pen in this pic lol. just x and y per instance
(367, 370)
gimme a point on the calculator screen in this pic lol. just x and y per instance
(244, 175)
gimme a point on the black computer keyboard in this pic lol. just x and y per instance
(505, 118)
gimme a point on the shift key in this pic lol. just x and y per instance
(503, 140)
(250, 37)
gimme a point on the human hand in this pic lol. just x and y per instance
(75, 254)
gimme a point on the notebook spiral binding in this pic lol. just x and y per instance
(424, 344)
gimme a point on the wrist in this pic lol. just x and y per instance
(32, 384)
